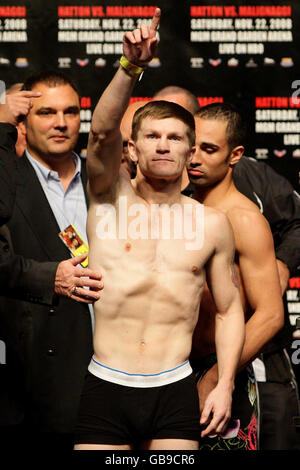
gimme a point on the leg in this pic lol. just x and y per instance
(101, 424)
(170, 444)
(176, 416)
(101, 447)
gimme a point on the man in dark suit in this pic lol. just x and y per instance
(53, 342)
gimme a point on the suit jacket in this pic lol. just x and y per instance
(53, 343)
(18, 276)
(22, 278)
(8, 161)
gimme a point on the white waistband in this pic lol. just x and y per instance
(139, 380)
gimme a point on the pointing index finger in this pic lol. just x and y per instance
(155, 20)
(31, 94)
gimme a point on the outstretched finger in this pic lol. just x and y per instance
(84, 293)
(78, 259)
(144, 31)
(85, 299)
(210, 429)
(206, 413)
(86, 272)
(155, 20)
(222, 426)
(30, 94)
(91, 283)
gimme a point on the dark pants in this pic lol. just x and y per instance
(279, 405)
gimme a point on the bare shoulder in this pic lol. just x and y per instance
(250, 227)
(213, 218)
(218, 227)
(245, 216)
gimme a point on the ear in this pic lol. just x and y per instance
(236, 155)
(21, 128)
(132, 151)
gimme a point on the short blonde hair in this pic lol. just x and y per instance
(163, 110)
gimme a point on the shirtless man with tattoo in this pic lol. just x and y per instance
(140, 390)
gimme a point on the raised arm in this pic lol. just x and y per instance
(105, 143)
(229, 326)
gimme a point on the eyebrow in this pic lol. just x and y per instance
(74, 109)
(209, 144)
(158, 131)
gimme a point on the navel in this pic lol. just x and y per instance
(128, 246)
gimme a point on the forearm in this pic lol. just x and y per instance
(229, 339)
(259, 330)
(112, 104)
(27, 279)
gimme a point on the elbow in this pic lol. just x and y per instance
(103, 131)
(277, 320)
(96, 136)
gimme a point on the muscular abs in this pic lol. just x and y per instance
(150, 303)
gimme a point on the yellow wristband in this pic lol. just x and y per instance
(132, 69)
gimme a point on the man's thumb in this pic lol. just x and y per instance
(78, 259)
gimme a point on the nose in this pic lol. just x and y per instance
(196, 159)
(163, 145)
(60, 121)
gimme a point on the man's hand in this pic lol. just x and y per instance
(284, 275)
(70, 276)
(17, 105)
(217, 410)
(206, 384)
(140, 45)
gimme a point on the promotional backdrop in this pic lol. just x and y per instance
(245, 52)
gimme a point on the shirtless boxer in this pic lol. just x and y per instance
(219, 139)
(140, 389)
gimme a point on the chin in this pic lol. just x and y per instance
(171, 177)
(60, 149)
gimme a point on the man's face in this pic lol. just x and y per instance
(53, 123)
(211, 159)
(162, 148)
